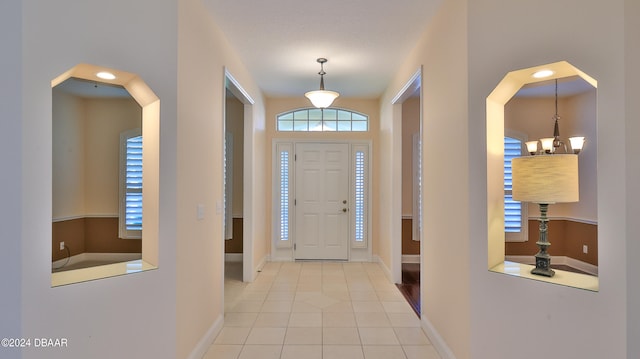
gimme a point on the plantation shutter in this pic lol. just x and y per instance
(133, 200)
(512, 209)
(130, 185)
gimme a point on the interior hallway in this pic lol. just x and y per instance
(314, 310)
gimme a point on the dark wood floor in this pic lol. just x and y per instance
(410, 286)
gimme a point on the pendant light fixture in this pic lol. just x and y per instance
(321, 98)
(551, 144)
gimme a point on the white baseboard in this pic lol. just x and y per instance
(82, 257)
(360, 254)
(233, 257)
(438, 343)
(583, 266)
(571, 262)
(207, 339)
(521, 259)
(264, 261)
(410, 258)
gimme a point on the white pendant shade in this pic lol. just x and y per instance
(547, 144)
(321, 98)
(545, 178)
(576, 143)
(532, 146)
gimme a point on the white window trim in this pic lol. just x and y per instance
(523, 235)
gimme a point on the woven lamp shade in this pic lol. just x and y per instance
(545, 178)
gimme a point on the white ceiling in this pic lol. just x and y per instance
(568, 86)
(365, 41)
(91, 89)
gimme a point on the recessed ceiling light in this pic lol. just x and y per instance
(106, 75)
(542, 74)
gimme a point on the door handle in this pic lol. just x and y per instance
(344, 210)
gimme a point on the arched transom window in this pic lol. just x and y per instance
(329, 119)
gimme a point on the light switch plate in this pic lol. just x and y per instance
(200, 212)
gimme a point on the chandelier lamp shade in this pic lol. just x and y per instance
(322, 98)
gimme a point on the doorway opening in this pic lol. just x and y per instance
(237, 207)
(233, 184)
(407, 240)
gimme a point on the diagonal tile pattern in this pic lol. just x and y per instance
(318, 310)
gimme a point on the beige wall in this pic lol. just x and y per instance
(234, 112)
(204, 54)
(445, 283)
(410, 126)
(53, 38)
(68, 156)
(632, 113)
(106, 120)
(368, 107)
(10, 183)
(460, 296)
(509, 36)
(585, 109)
(86, 153)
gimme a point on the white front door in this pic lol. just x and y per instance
(322, 207)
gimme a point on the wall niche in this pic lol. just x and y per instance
(105, 169)
(523, 106)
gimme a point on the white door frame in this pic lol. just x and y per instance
(248, 224)
(411, 86)
(283, 250)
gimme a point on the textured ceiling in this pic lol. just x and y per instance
(365, 41)
(568, 86)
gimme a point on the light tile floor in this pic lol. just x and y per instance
(318, 310)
